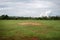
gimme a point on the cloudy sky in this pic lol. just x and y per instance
(33, 8)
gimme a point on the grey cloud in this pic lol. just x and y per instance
(29, 7)
(3, 6)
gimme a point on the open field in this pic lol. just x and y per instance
(29, 29)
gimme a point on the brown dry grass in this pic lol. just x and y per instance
(30, 23)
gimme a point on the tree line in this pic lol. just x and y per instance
(6, 17)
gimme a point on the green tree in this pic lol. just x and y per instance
(4, 17)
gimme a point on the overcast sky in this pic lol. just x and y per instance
(33, 8)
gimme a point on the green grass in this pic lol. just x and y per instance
(10, 30)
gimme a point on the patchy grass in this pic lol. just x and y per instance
(30, 24)
(29, 29)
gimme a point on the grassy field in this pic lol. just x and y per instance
(13, 30)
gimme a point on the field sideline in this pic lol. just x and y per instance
(29, 29)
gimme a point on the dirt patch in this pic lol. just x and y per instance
(34, 38)
(30, 23)
(20, 38)
(31, 38)
(26, 38)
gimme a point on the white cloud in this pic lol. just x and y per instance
(46, 13)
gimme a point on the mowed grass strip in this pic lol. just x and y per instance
(12, 30)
